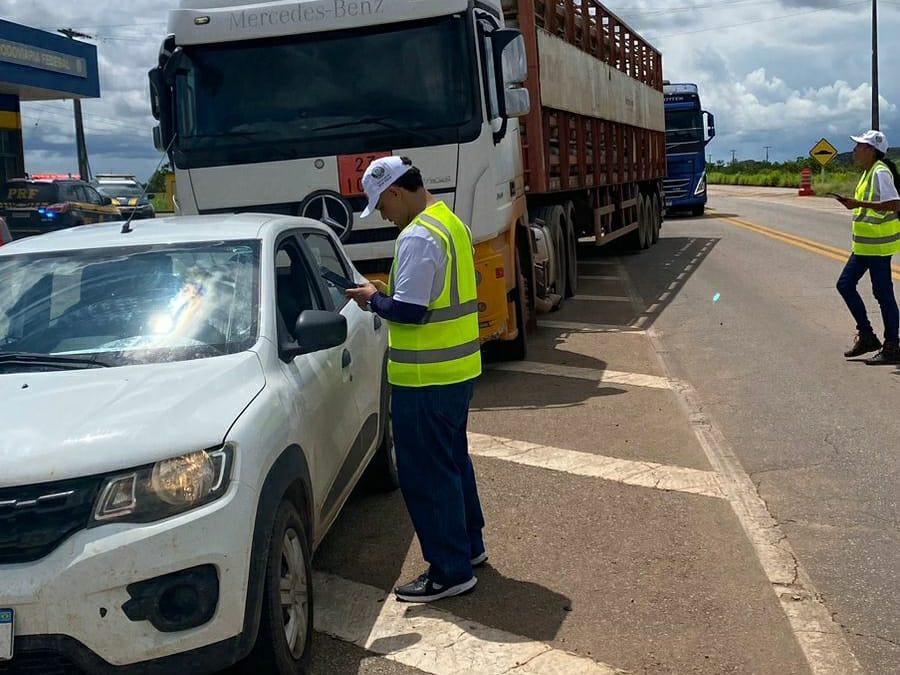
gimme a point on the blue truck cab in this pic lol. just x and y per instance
(689, 129)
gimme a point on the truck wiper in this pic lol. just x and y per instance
(377, 121)
(31, 359)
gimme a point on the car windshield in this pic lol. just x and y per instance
(120, 190)
(321, 92)
(132, 305)
(22, 193)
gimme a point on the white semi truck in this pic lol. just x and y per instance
(540, 122)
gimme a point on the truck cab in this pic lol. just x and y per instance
(689, 129)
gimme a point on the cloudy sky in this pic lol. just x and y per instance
(781, 73)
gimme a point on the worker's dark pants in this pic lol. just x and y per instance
(879, 269)
(437, 478)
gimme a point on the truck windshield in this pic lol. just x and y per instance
(684, 126)
(332, 93)
(131, 305)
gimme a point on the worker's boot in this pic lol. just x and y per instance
(888, 356)
(865, 343)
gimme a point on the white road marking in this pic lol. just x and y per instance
(588, 327)
(602, 298)
(590, 374)
(629, 472)
(821, 639)
(431, 640)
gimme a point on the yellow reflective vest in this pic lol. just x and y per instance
(444, 349)
(874, 233)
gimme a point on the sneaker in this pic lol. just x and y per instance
(479, 560)
(888, 356)
(863, 344)
(424, 589)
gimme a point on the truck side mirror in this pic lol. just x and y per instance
(710, 125)
(510, 72)
(161, 107)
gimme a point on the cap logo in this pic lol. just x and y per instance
(378, 172)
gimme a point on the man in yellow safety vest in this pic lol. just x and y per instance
(431, 307)
(876, 238)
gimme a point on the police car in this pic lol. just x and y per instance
(32, 207)
(186, 407)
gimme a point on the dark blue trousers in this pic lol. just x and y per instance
(437, 478)
(879, 269)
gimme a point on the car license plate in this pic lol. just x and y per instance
(6, 634)
(351, 169)
(19, 215)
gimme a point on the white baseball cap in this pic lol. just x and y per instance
(381, 174)
(876, 139)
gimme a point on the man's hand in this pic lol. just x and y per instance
(362, 294)
(848, 203)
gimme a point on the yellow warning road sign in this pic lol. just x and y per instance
(823, 152)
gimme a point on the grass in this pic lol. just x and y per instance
(161, 204)
(841, 182)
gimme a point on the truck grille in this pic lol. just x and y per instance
(677, 188)
(36, 519)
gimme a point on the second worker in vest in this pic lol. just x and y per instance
(876, 238)
(431, 307)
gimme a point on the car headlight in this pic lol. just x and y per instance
(166, 488)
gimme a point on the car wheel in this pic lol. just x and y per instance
(382, 471)
(285, 627)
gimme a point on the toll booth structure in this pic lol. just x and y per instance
(36, 65)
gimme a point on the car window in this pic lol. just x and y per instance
(77, 194)
(325, 254)
(132, 304)
(295, 289)
(93, 196)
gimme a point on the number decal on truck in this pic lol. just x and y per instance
(351, 169)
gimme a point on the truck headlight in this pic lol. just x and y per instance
(701, 185)
(166, 488)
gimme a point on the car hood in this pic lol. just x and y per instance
(58, 425)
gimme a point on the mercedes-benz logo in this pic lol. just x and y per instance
(331, 209)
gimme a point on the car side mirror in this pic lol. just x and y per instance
(316, 331)
(107, 201)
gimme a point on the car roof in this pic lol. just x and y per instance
(167, 230)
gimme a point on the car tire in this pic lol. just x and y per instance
(382, 473)
(288, 563)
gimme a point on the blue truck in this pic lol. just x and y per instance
(689, 129)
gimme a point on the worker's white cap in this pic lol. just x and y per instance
(876, 139)
(381, 174)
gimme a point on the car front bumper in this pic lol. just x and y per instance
(74, 600)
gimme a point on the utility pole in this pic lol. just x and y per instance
(876, 101)
(767, 147)
(81, 147)
(733, 157)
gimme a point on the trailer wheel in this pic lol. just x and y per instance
(656, 208)
(571, 253)
(646, 224)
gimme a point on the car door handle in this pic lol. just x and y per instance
(346, 359)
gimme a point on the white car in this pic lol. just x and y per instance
(184, 410)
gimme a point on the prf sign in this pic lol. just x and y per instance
(43, 59)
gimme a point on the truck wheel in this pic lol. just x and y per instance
(571, 253)
(516, 350)
(656, 208)
(646, 222)
(698, 211)
(285, 627)
(381, 474)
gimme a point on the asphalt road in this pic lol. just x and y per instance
(818, 435)
(685, 476)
